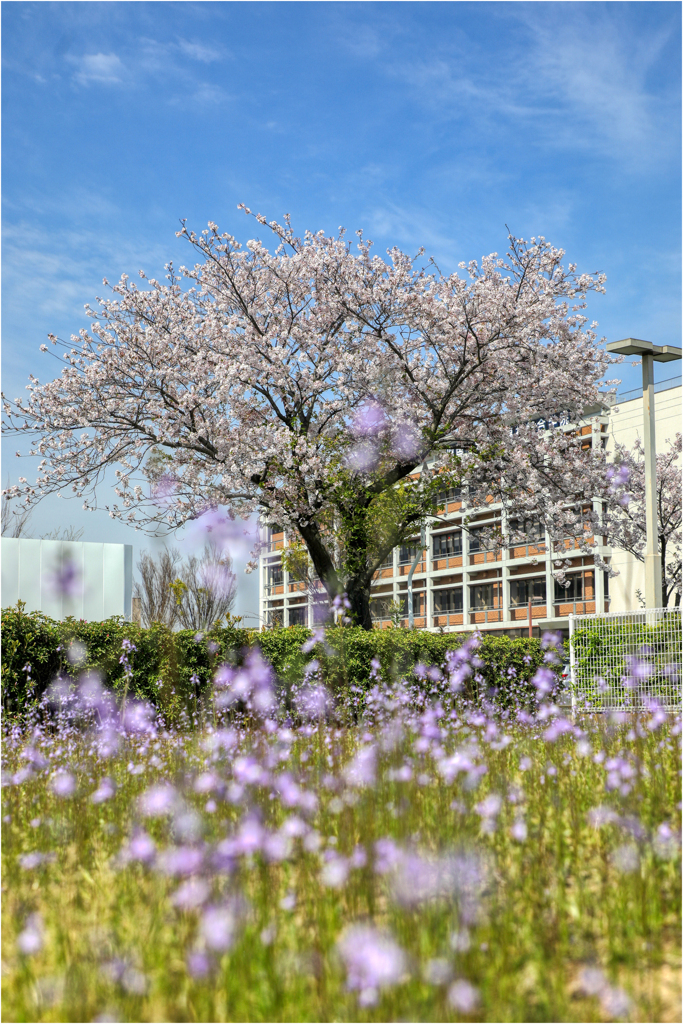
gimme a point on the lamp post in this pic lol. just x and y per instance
(663, 354)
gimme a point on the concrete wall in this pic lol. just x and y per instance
(60, 578)
(625, 425)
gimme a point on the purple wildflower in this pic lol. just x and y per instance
(218, 928)
(63, 785)
(373, 961)
(105, 791)
(158, 800)
(191, 894)
(463, 997)
(198, 964)
(361, 770)
(180, 860)
(141, 847)
(30, 940)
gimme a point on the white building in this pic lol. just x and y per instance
(60, 578)
(458, 584)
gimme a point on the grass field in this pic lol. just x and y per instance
(436, 861)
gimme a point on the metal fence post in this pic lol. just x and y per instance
(572, 671)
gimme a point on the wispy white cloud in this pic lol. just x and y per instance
(199, 51)
(597, 69)
(148, 59)
(411, 227)
(570, 76)
(102, 68)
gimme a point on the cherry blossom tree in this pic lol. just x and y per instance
(628, 529)
(330, 390)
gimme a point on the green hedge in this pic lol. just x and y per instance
(165, 661)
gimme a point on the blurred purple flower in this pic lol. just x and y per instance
(198, 964)
(626, 859)
(237, 536)
(600, 816)
(63, 785)
(314, 702)
(362, 768)
(489, 807)
(76, 653)
(544, 680)
(141, 847)
(373, 961)
(666, 842)
(218, 580)
(139, 717)
(519, 830)
(615, 1003)
(66, 579)
(30, 940)
(317, 637)
(369, 420)
(557, 728)
(180, 860)
(31, 861)
(438, 971)
(363, 457)
(407, 442)
(335, 871)
(191, 894)
(105, 791)
(218, 928)
(463, 997)
(163, 490)
(158, 800)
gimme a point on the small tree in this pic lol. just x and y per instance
(68, 533)
(205, 589)
(157, 602)
(15, 522)
(627, 497)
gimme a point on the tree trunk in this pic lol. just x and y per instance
(357, 587)
(358, 594)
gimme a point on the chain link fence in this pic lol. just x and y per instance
(626, 660)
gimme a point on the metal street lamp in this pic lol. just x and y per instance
(663, 354)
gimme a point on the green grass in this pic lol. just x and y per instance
(570, 896)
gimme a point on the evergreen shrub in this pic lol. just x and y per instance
(173, 669)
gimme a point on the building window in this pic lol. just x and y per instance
(447, 494)
(482, 596)
(444, 544)
(572, 591)
(523, 591)
(448, 601)
(388, 561)
(321, 612)
(275, 576)
(298, 615)
(478, 541)
(532, 533)
(380, 607)
(407, 553)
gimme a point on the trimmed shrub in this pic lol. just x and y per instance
(173, 669)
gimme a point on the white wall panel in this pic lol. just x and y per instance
(100, 577)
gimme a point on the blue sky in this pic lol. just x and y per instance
(430, 124)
